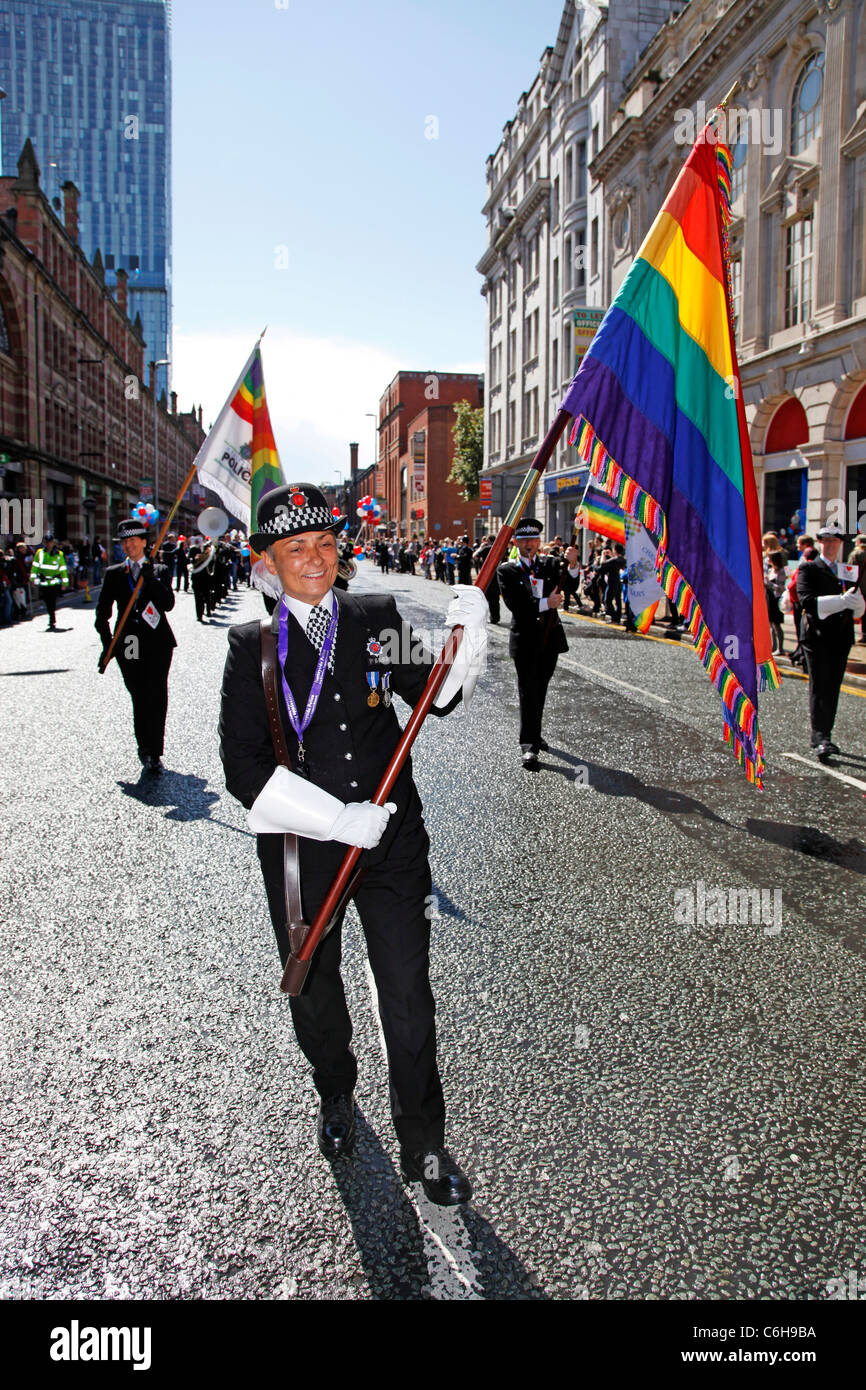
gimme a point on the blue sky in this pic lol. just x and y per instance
(308, 197)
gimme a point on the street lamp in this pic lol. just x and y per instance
(375, 418)
(163, 362)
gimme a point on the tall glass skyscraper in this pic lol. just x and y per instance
(89, 81)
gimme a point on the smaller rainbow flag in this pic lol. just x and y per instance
(598, 512)
(239, 459)
(643, 621)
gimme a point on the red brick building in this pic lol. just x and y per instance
(416, 452)
(76, 416)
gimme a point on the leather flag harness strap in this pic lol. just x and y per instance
(297, 928)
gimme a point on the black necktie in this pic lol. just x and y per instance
(317, 629)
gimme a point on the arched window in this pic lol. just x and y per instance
(788, 427)
(806, 111)
(855, 425)
(4, 332)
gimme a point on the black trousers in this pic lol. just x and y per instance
(533, 677)
(393, 903)
(825, 662)
(201, 593)
(182, 574)
(50, 593)
(146, 679)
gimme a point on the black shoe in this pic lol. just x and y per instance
(335, 1128)
(443, 1180)
(831, 747)
(543, 746)
(824, 751)
(154, 765)
(530, 760)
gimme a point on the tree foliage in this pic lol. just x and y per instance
(468, 433)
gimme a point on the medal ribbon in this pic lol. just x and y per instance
(300, 725)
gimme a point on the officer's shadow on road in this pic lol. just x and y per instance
(186, 794)
(612, 781)
(454, 1255)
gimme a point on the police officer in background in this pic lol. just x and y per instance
(530, 587)
(146, 644)
(333, 689)
(48, 570)
(829, 607)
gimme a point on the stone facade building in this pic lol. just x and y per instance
(78, 428)
(798, 239)
(547, 253)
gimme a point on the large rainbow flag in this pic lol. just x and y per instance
(660, 421)
(239, 459)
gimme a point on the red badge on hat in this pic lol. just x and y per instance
(298, 499)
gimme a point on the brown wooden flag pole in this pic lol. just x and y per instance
(109, 650)
(298, 963)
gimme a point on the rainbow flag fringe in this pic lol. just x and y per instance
(740, 714)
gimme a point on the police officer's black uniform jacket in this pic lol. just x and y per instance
(348, 744)
(528, 625)
(144, 662)
(825, 642)
(347, 747)
(156, 589)
(815, 578)
(535, 640)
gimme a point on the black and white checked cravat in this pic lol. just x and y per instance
(317, 629)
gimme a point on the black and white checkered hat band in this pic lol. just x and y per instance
(294, 519)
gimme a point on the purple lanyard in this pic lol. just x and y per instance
(300, 726)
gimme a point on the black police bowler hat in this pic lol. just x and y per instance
(528, 528)
(129, 528)
(291, 510)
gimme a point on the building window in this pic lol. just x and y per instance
(738, 171)
(495, 425)
(530, 336)
(581, 169)
(736, 291)
(512, 423)
(806, 112)
(798, 271)
(554, 212)
(567, 367)
(512, 351)
(530, 413)
(596, 143)
(580, 260)
(566, 269)
(555, 283)
(554, 365)
(593, 246)
(532, 258)
(569, 177)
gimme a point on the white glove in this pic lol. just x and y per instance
(291, 805)
(828, 604)
(361, 823)
(468, 607)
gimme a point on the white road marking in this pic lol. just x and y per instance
(831, 772)
(579, 667)
(447, 1244)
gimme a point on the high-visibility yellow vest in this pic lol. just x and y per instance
(49, 569)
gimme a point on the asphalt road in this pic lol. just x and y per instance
(649, 1108)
